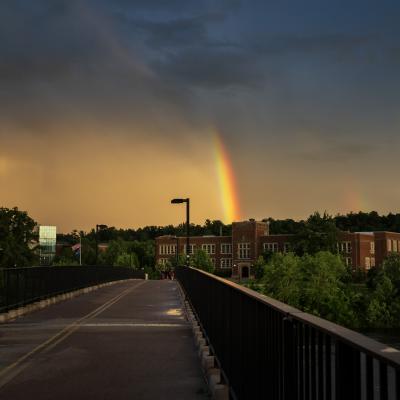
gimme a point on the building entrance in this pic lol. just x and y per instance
(244, 271)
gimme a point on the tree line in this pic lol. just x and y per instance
(321, 284)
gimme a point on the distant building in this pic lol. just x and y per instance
(250, 239)
(47, 244)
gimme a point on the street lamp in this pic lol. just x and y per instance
(177, 251)
(187, 201)
(98, 228)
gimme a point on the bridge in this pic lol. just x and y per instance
(134, 338)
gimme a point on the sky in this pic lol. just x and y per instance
(110, 108)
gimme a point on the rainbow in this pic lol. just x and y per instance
(227, 182)
(353, 198)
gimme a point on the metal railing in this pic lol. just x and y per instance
(21, 286)
(269, 350)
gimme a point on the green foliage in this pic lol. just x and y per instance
(67, 257)
(313, 283)
(178, 263)
(368, 222)
(163, 267)
(391, 269)
(353, 222)
(16, 232)
(321, 284)
(201, 260)
(88, 251)
(383, 310)
(149, 233)
(259, 265)
(152, 273)
(128, 254)
(286, 226)
(127, 260)
(318, 233)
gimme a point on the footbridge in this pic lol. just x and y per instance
(115, 335)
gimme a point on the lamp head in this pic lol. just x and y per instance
(177, 201)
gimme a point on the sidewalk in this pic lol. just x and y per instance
(131, 341)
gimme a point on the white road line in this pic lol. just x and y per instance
(133, 325)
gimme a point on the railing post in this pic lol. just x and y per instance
(347, 372)
(289, 360)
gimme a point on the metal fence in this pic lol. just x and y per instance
(20, 286)
(269, 350)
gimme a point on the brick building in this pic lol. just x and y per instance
(251, 238)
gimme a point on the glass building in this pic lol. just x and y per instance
(47, 242)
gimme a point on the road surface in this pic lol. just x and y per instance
(125, 341)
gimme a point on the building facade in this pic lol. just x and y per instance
(250, 239)
(47, 244)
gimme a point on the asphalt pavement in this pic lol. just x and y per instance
(126, 341)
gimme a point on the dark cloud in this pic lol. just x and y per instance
(176, 33)
(135, 59)
(212, 68)
(336, 151)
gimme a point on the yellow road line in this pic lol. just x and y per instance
(60, 336)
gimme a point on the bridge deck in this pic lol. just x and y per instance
(125, 341)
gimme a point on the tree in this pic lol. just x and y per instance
(16, 233)
(144, 250)
(383, 310)
(163, 267)
(178, 263)
(67, 257)
(391, 268)
(201, 260)
(88, 251)
(127, 260)
(318, 233)
(258, 268)
(312, 283)
(286, 226)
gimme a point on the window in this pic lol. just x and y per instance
(394, 245)
(208, 248)
(244, 250)
(273, 247)
(345, 247)
(286, 247)
(389, 245)
(372, 244)
(226, 262)
(191, 248)
(163, 261)
(167, 249)
(213, 261)
(367, 263)
(372, 261)
(348, 261)
(226, 248)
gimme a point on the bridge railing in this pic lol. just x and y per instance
(21, 286)
(269, 350)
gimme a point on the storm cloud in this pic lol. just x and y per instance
(298, 84)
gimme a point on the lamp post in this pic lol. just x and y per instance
(98, 228)
(177, 251)
(80, 249)
(187, 201)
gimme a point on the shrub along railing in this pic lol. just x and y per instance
(20, 286)
(269, 350)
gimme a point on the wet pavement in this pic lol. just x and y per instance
(125, 341)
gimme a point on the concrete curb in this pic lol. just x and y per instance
(218, 389)
(38, 305)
